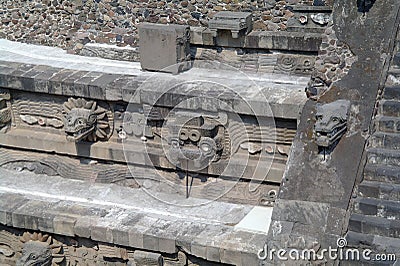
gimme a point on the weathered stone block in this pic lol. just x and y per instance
(64, 225)
(8, 204)
(238, 23)
(164, 47)
(101, 231)
(83, 227)
(143, 258)
(120, 236)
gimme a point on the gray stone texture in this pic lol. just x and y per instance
(115, 22)
(328, 184)
(164, 48)
(137, 220)
(375, 220)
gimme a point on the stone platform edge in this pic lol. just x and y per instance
(218, 243)
(282, 40)
(121, 87)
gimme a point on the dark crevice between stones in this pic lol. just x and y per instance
(365, 5)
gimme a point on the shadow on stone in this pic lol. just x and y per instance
(365, 5)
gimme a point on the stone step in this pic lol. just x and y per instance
(389, 108)
(372, 225)
(383, 156)
(376, 207)
(392, 93)
(378, 244)
(382, 173)
(387, 124)
(379, 190)
(385, 140)
(396, 60)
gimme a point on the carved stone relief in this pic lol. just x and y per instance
(40, 249)
(196, 136)
(331, 122)
(291, 64)
(86, 120)
(33, 111)
(5, 110)
(21, 248)
(54, 165)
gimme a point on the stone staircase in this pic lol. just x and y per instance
(375, 218)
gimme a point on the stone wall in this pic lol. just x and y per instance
(70, 24)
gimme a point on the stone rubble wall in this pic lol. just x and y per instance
(70, 24)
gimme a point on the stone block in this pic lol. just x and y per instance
(151, 242)
(8, 204)
(143, 258)
(120, 236)
(200, 250)
(41, 81)
(32, 215)
(238, 23)
(113, 90)
(230, 256)
(336, 220)
(83, 227)
(64, 225)
(213, 253)
(102, 231)
(135, 238)
(56, 85)
(164, 48)
(304, 212)
(4, 73)
(196, 35)
(97, 87)
(208, 38)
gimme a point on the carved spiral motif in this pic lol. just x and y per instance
(286, 64)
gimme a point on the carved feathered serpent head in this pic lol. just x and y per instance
(85, 120)
(331, 122)
(40, 249)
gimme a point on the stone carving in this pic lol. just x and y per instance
(9, 247)
(42, 121)
(331, 122)
(233, 21)
(303, 19)
(40, 249)
(86, 120)
(321, 18)
(196, 137)
(141, 123)
(42, 112)
(332, 64)
(66, 167)
(24, 248)
(290, 64)
(5, 109)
